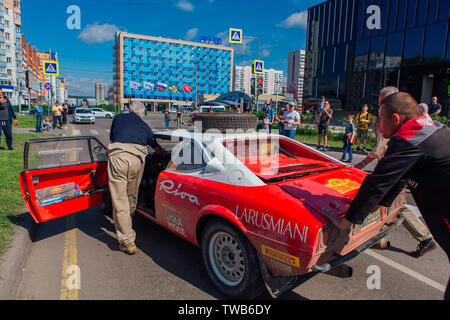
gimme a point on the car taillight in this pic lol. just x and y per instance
(327, 237)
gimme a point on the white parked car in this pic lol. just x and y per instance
(100, 113)
(83, 115)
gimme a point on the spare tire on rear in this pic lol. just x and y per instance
(227, 121)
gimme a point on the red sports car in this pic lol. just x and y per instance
(253, 203)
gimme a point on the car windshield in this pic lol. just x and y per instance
(83, 111)
(275, 157)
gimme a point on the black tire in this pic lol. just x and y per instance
(108, 116)
(223, 121)
(241, 277)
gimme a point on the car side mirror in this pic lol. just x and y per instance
(214, 166)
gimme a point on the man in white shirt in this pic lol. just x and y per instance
(291, 121)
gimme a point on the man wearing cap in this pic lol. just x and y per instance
(291, 119)
(129, 136)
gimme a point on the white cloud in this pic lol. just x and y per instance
(295, 20)
(98, 33)
(185, 5)
(191, 34)
(265, 52)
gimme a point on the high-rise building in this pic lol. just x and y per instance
(12, 79)
(31, 65)
(242, 79)
(296, 73)
(100, 92)
(164, 71)
(351, 56)
(272, 80)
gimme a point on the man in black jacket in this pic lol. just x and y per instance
(6, 119)
(418, 156)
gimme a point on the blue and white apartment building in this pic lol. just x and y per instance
(161, 72)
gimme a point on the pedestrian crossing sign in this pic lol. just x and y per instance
(51, 68)
(235, 35)
(258, 67)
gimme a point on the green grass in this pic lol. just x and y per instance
(26, 122)
(11, 202)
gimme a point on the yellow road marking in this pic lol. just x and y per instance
(73, 156)
(69, 259)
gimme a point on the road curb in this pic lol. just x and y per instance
(15, 257)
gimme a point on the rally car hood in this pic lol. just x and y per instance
(331, 190)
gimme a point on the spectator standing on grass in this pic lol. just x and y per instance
(65, 108)
(349, 139)
(57, 115)
(39, 114)
(167, 118)
(418, 156)
(412, 223)
(7, 115)
(291, 121)
(363, 120)
(324, 122)
(435, 108)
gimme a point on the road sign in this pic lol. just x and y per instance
(51, 68)
(236, 35)
(48, 86)
(258, 67)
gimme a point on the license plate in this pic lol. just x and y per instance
(370, 219)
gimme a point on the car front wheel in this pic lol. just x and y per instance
(108, 116)
(231, 261)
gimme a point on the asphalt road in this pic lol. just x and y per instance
(167, 267)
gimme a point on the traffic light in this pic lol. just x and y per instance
(260, 84)
(253, 86)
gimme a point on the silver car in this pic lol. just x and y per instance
(83, 115)
(100, 113)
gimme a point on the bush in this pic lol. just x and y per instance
(306, 117)
(260, 114)
(442, 120)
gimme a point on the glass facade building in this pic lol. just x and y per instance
(347, 60)
(159, 70)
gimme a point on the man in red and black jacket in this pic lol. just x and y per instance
(418, 156)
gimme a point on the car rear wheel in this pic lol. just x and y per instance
(231, 261)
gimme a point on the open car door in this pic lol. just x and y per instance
(63, 175)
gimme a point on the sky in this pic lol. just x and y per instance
(86, 54)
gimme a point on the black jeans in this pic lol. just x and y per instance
(7, 130)
(57, 119)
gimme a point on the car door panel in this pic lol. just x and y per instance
(56, 191)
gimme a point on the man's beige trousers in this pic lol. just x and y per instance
(125, 173)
